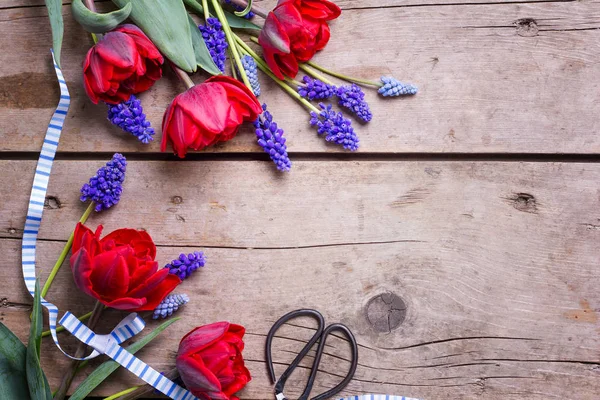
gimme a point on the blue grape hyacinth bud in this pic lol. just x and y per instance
(186, 264)
(314, 89)
(169, 305)
(106, 186)
(270, 138)
(130, 117)
(239, 8)
(336, 128)
(251, 70)
(215, 40)
(353, 98)
(393, 87)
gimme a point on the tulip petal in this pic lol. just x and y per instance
(273, 35)
(110, 275)
(201, 337)
(126, 304)
(150, 283)
(199, 379)
(139, 240)
(160, 292)
(81, 266)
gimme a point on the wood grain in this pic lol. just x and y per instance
(494, 78)
(496, 262)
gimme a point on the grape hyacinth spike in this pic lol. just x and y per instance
(353, 98)
(393, 87)
(314, 89)
(169, 305)
(216, 42)
(186, 264)
(130, 117)
(106, 186)
(270, 138)
(336, 128)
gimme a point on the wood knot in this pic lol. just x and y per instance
(52, 203)
(176, 199)
(527, 27)
(524, 202)
(385, 312)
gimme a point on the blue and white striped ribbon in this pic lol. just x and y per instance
(378, 397)
(109, 345)
(128, 327)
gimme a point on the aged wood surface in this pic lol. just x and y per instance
(494, 78)
(495, 262)
(461, 279)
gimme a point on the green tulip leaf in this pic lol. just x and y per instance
(104, 370)
(13, 383)
(203, 57)
(245, 11)
(38, 384)
(96, 22)
(56, 23)
(165, 23)
(232, 20)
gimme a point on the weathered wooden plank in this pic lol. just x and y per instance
(495, 262)
(513, 78)
(477, 325)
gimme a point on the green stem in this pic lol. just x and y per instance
(315, 74)
(205, 9)
(231, 41)
(65, 251)
(62, 328)
(122, 393)
(264, 68)
(183, 76)
(344, 77)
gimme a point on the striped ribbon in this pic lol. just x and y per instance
(109, 345)
(378, 397)
(130, 325)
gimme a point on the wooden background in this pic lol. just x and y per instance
(475, 202)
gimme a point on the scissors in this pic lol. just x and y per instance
(321, 334)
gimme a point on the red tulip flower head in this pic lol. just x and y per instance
(122, 63)
(208, 113)
(210, 361)
(294, 31)
(119, 270)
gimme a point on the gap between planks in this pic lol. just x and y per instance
(321, 157)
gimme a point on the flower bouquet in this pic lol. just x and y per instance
(218, 38)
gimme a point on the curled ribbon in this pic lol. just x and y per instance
(130, 325)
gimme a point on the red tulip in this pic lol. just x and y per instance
(122, 63)
(210, 361)
(208, 113)
(294, 31)
(119, 270)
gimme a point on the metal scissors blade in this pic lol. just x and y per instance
(320, 335)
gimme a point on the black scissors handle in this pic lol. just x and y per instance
(322, 334)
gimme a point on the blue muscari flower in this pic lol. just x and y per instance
(393, 87)
(169, 305)
(337, 128)
(353, 98)
(130, 117)
(250, 67)
(214, 36)
(314, 89)
(186, 264)
(105, 187)
(240, 8)
(270, 138)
